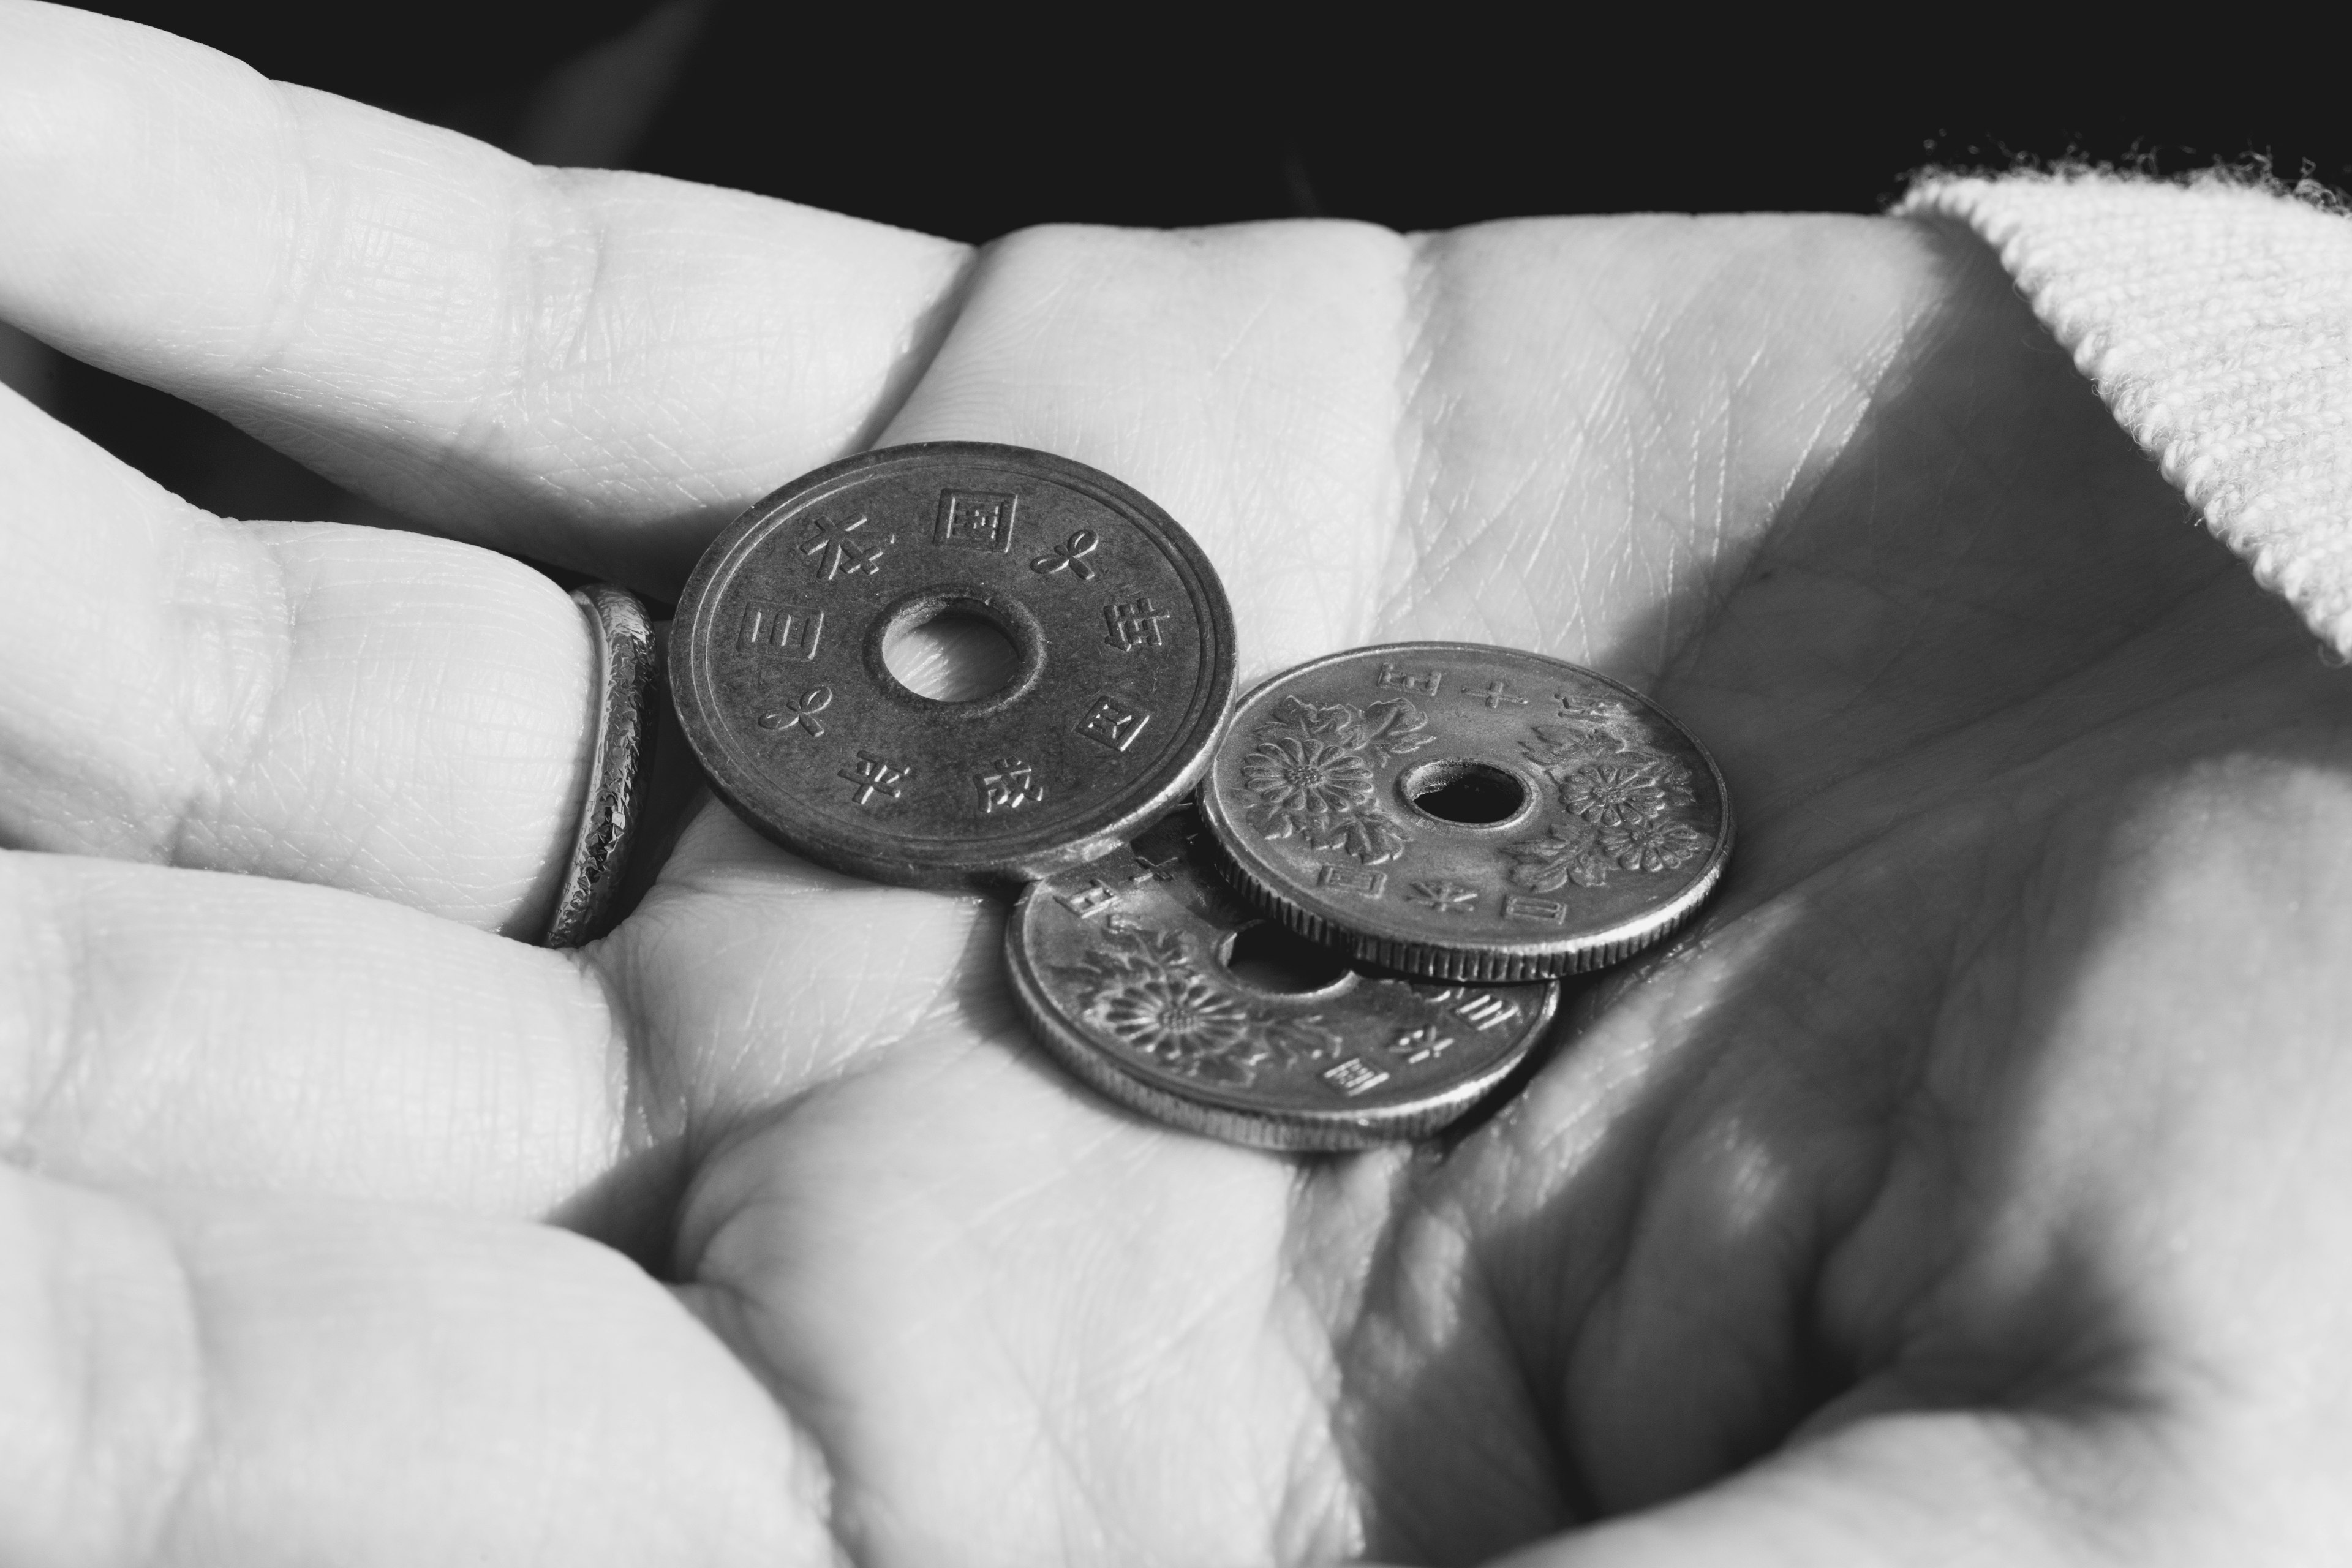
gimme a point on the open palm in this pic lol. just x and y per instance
(1962, 1182)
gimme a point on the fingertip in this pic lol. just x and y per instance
(81, 91)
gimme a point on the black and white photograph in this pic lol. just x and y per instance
(857, 787)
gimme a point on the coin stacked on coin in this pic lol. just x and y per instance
(1426, 835)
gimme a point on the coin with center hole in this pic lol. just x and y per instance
(1466, 811)
(1149, 979)
(1121, 664)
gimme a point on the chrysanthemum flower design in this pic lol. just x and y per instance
(1300, 780)
(1612, 794)
(1651, 844)
(1184, 1023)
(1562, 855)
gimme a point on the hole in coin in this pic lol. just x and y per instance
(1265, 957)
(1470, 793)
(954, 655)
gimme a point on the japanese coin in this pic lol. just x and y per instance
(1124, 664)
(1122, 968)
(1465, 812)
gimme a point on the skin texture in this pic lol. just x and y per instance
(1963, 1190)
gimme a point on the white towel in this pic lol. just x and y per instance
(2215, 317)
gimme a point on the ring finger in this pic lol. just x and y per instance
(400, 716)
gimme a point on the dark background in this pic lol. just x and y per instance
(969, 123)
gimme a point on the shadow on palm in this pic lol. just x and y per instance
(1982, 646)
(2010, 743)
(1978, 695)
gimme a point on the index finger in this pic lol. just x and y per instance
(590, 367)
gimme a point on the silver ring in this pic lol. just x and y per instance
(626, 667)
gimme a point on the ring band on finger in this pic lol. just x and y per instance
(627, 664)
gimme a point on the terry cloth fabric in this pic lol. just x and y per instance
(2215, 317)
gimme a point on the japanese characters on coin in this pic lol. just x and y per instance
(1124, 664)
(1464, 812)
(1475, 820)
(1127, 970)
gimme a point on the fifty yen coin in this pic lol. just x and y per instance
(1124, 664)
(1129, 970)
(1472, 813)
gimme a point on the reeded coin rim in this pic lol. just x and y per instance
(1367, 939)
(945, 861)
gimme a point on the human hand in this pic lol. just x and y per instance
(1977, 1140)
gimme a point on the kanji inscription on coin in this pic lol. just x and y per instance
(1123, 663)
(839, 551)
(1008, 785)
(792, 630)
(1527, 817)
(978, 520)
(1134, 624)
(1113, 723)
(871, 776)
